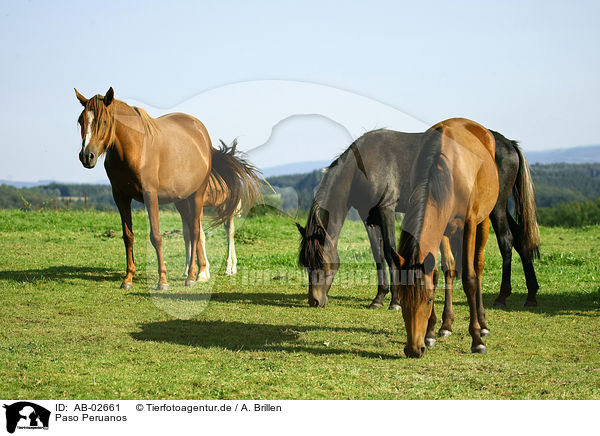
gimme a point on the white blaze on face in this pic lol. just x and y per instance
(88, 132)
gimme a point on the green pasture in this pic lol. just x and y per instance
(68, 332)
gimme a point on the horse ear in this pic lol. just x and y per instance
(398, 260)
(110, 95)
(301, 229)
(429, 263)
(80, 97)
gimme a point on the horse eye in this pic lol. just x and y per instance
(430, 300)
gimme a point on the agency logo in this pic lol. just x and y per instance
(26, 415)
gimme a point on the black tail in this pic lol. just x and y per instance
(525, 208)
(240, 180)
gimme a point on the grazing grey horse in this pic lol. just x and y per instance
(372, 176)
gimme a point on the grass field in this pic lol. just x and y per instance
(67, 330)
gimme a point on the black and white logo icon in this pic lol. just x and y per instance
(26, 415)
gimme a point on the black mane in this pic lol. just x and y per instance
(311, 246)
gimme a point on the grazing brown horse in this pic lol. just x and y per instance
(162, 160)
(373, 176)
(455, 187)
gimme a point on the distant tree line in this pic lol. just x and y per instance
(561, 183)
(566, 194)
(572, 214)
(59, 196)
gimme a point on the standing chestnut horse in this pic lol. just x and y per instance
(455, 187)
(162, 160)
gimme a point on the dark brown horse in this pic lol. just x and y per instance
(454, 188)
(163, 160)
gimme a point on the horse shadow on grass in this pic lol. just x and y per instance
(282, 299)
(257, 298)
(567, 303)
(269, 298)
(248, 337)
(62, 273)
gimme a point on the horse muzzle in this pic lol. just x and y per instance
(415, 352)
(317, 302)
(88, 160)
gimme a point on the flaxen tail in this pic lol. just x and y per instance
(239, 180)
(525, 208)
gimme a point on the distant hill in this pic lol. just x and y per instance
(21, 184)
(18, 184)
(575, 155)
(295, 168)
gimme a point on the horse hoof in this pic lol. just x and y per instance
(163, 287)
(430, 342)
(204, 276)
(375, 306)
(529, 303)
(485, 333)
(190, 283)
(499, 304)
(126, 285)
(443, 333)
(479, 349)
(395, 307)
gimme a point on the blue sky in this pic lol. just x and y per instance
(528, 69)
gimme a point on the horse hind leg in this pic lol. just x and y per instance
(527, 261)
(184, 212)
(231, 266)
(203, 264)
(504, 237)
(483, 230)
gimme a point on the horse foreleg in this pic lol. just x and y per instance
(430, 335)
(124, 205)
(376, 240)
(449, 269)
(471, 284)
(231, 267)
(388, 231)
(151, 202)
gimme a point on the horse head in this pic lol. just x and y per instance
(417, 285)
(319, 257)
(97, 127)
